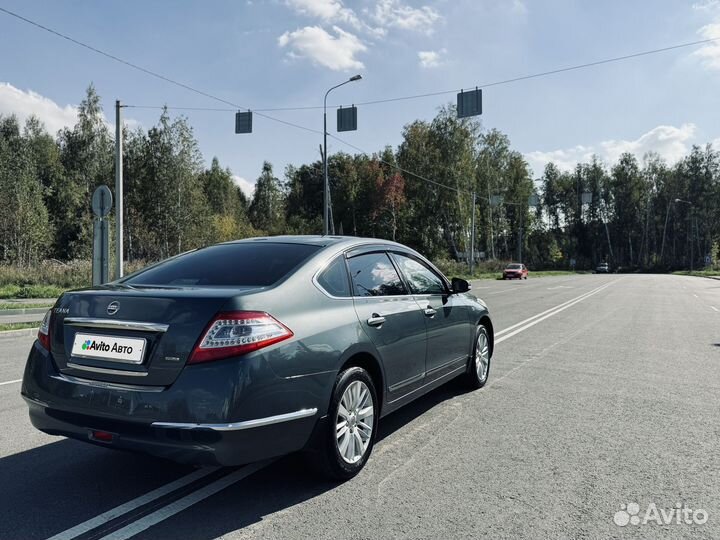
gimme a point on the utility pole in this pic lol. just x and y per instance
(118, 191)
(472, 236)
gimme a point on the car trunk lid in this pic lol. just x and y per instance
(133, 335)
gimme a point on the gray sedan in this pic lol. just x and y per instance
(256, 348)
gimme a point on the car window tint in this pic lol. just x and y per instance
(230, 265)
(374, 275)
(421, 279)
(334, 279)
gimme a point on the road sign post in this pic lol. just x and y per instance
(101, 205)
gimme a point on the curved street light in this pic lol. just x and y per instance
(326, 188)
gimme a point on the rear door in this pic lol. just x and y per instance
(391, 318)
(446, 315)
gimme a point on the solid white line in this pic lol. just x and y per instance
(10, 382)
(185, 502)
(555, 312)
(129, 506)
(716, 309)
(509, 328)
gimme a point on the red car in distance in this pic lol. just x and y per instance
(515, 271)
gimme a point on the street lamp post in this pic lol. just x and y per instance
(692, 247)
(326, 189)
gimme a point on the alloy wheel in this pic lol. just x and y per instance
(354, 422)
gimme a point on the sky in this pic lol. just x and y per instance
(262, 54)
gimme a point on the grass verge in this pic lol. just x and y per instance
(18, 326)
(22, 305)
(30, 291)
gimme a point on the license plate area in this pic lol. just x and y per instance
(111, 348)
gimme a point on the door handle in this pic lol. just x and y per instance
(429, 312)
(376, 320)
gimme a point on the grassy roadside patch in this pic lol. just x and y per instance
(18, 326)
(30, 291)
(702, 273)
(21, 305)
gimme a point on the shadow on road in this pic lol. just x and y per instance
(56, 486)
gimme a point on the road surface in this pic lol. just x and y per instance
(603, 392)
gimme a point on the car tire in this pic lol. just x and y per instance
(335, 458)
(477, 375)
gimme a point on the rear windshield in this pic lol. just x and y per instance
(514, 266)
(245, 264)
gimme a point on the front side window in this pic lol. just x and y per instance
(421, 279)
(373, 274)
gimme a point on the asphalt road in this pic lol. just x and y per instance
(603, 392)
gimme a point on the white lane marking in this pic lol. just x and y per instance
(558, 287)
(548, 315)
(509, 328)
(129, 506)
(716, 309)
(185, 502)
(10, 382)
(695, 295)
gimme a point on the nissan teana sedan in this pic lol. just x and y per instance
(252, 349)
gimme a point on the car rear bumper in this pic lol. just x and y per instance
(173, 422)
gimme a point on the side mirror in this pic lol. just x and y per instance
(460, 285)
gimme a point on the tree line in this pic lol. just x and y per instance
(636, 213)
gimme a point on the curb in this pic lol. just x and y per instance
(18, 333)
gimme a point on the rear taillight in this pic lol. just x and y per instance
(238, 332)
(44, 330)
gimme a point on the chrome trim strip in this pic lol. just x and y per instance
(89, 322)
(237, 426)
(447, 375)
(107, 371)
(106, 385)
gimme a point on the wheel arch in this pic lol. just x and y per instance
(487, 323)
(369, 363)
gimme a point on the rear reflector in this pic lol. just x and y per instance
(102, 436)
(235, 333)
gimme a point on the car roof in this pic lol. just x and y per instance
(318, 240)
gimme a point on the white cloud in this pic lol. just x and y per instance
(431, 59)
(246, 186)
(669, 142)
(710, 53)
(327, 10)
(706, 5)
(24, 104)
(519, 7)
(395, 14)
(334, 52)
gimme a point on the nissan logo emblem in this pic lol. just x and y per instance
(113, 307)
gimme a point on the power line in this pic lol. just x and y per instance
(489, 84)
(419, 176)
(260, 112)
(150, 72)
(200, 92)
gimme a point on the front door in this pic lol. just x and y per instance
(391, 318)
(446, 316)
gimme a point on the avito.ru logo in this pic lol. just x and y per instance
(629, 514)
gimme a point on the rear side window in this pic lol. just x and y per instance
(419, 277)
(334, 279)
(234, 265)
(374, 275)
